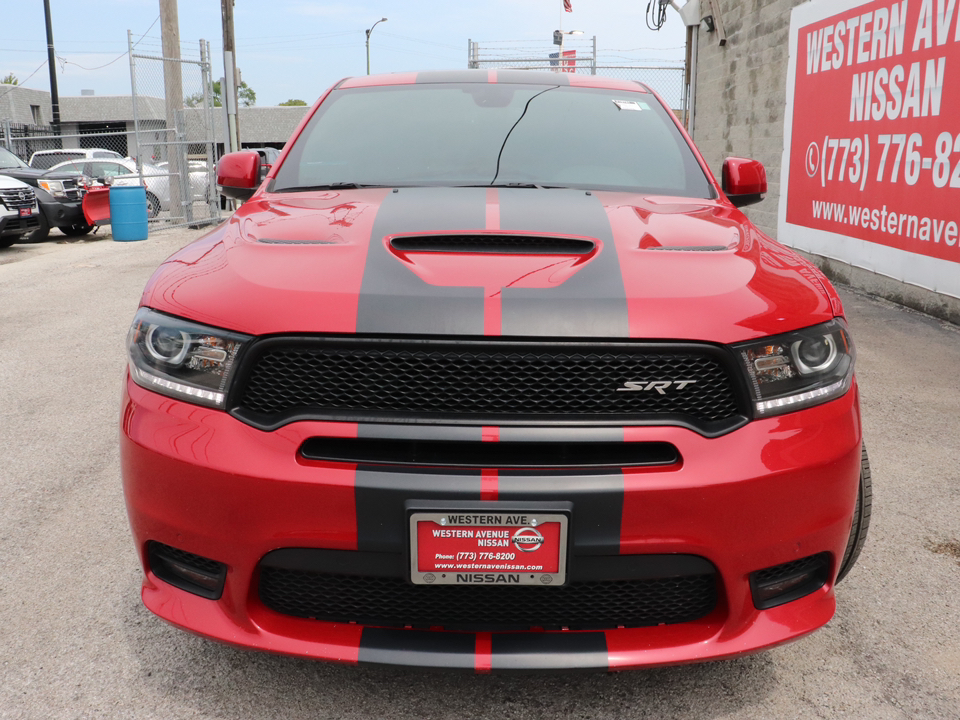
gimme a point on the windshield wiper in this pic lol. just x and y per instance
(507, 185)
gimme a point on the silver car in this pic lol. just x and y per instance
(124, 172)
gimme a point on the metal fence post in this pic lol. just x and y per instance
(133, 97)
(212, 198)
(6, 134)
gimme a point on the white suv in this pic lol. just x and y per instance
(19, 214)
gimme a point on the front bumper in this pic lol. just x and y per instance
(12, 224)
(769, 493)
(66, 213)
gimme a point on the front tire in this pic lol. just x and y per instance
(6, 242)
(861, 518)
(153, 205)
(42, 232)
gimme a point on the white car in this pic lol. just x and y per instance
(19, 212)
(46, 159)
(124, 172)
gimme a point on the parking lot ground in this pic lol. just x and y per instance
(77, 643)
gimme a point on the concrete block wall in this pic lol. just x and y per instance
(741, 93)
(741, 102)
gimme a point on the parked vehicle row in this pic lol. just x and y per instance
(60, 195)
(123, 171)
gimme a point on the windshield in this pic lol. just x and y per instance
(48, 160)
(8, 160)
(493, 134)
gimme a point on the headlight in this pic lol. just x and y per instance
(182, 359)
(54, 187)
(800, 369)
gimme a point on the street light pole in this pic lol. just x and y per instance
(368, 41)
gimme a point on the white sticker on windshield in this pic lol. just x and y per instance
(628, 105)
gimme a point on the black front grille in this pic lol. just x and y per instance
(392, 602)
(72, 190)
(484, 381)
(16, 199)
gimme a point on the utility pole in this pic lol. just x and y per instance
(52, 65)
(228, 94)
(173, 90)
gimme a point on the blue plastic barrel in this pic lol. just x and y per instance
(128, 212)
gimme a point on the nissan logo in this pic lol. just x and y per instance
(527, 539)
(23, 195)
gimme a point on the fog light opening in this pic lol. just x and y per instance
(187, 571)
(790, 581)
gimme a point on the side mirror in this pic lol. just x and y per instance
(238, 174)
(744, 181)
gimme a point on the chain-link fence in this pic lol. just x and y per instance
(580, 56)
(173, 124)
(160, 136)
(70, 150)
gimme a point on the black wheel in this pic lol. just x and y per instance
(76, 230)
(6, 242)
(41, 233)
(153, 205)
(861, 518)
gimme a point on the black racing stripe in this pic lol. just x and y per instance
(392, 298)
(412, 648)
(597, 504)
(511, 433)
(381, 497)
(451, 76)
(410, 431)
(531, 77)
(592, 303)
(550, 651)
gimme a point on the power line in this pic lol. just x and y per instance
(14, 87)
(417, 40)
(100, 67)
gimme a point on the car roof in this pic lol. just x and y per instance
(521, 77)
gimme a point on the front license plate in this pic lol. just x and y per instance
(488, 548)
(26, 212)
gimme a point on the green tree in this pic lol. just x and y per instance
(293, 102)
(245, 94)
(12, 79)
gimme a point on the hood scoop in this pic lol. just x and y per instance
(494, 243)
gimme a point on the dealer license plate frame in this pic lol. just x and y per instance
(557, 527)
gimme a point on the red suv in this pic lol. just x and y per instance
(490, 373)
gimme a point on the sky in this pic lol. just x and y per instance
(298, 48)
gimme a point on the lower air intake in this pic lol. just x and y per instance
(393, 602)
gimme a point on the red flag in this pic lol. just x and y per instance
(568, 5)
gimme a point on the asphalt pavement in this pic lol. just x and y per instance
(75, 642)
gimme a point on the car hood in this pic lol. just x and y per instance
(483, 261)
(8, 182)
(29, 173)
